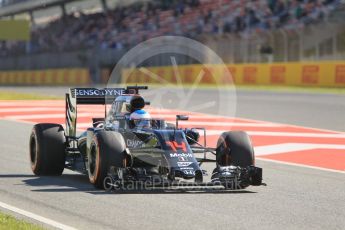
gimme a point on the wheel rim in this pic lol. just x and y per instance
(33, 150)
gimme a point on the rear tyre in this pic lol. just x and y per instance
(47, 149)
(235, 148)
(107, 149)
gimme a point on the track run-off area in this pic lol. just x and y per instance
(289, 144)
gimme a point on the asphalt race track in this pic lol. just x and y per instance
(308, 196)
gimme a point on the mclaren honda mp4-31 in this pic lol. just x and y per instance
(116, 150)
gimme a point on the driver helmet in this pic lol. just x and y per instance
(140, 118)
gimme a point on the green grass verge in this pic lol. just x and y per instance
(9, 222)
(10, 95)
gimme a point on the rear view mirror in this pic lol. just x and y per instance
(181, 118)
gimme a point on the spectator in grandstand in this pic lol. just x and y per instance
(124, 27)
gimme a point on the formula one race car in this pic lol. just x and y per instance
(118, 149)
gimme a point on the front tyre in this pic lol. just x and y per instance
(235, 148)
(47, 149)
(107, 149)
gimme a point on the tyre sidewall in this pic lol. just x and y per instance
(35, 165)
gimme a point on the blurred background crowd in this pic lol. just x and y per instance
(126, 26)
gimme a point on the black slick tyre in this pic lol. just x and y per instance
(235, 148)
(47, 149)
(107, 149)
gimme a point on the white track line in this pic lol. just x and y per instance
(201, 124)
(292, 147)
(31, 109)
(229, 124)
(287, 134)
(62, 115)
(295, 126)
(284, 134)
(301, 165)
(36, 217)
(38, 103)
(45, 116)
(62, 109)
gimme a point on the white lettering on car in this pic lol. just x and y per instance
(134, 143)
(181, 155)
(97, 92)
(184, 164)
(189, 172)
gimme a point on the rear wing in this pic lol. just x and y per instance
(91, 96)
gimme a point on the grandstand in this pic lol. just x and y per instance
(238, 30)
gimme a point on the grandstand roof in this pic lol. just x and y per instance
(31, 5)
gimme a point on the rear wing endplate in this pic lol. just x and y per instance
(91, 96)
